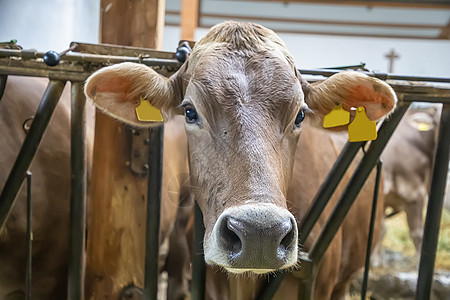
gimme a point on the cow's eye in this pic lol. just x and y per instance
(300, 117)
(191, 114)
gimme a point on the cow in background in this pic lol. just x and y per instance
(244, 104)
(51, 190)
(407, 166)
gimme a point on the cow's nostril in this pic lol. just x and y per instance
(289, 239)
(230, 238)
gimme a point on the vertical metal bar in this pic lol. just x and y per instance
(78, 194)
(29, 244)
(29, 147)
(153, 213)
(321, 199)
(3, 79)
(198, 266)
(371, 226)
(434, 208)
(355, 184)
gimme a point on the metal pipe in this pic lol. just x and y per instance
(53, 74)
(327, 188)
(355, 184)
(95, 58)
(321, 199)
(153, 213)
(77, 236)
(3, 79)
(198, 265)
(434, 209)
(29, 147)
(371, 227)
(382, 76)
(29, 243)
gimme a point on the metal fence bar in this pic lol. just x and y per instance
(153, 212)
(198, 265)
(29, 147)
(78, 194)
(321, 199)
(371, 226)
(434, 209)
(355, 184)
(29, 243)
(3, 79)
(328, 187)
(382, 76)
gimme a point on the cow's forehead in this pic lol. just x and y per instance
(263, 83)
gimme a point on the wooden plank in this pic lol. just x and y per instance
(323, 21)
(116, 225)
(433, 4)
(445, 32)
(189, 18)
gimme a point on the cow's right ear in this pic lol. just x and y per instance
(116, 90)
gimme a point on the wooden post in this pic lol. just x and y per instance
(189, 18)
(116, 225)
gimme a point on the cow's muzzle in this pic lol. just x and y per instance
(253, 237)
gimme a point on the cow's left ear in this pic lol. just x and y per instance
(350, 89)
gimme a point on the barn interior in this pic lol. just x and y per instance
(402, 37)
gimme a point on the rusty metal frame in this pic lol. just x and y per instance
(76, 67)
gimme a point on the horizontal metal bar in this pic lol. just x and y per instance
(29, 147)
(426, 98)
(120, 50)
(57, 75)
(382, 76)
(434, 209)
(95, 58)
(355, 184)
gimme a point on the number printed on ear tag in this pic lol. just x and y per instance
(362, 128)
(336, 117)
(148, 113)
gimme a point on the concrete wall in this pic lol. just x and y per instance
(49, 24)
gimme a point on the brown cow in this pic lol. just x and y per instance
(51, 188)
(244, 104)
(408, 159)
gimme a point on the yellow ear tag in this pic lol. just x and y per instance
(423, 127)
(362, 128)
(148, 113)
(336, 117)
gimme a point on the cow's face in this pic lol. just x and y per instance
(244, 104)
(243, 119)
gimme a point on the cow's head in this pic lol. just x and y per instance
(244, 104)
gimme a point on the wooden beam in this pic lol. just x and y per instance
(116, 225)
(328, 22)
(322, 21)
(445, 32)
(433, 4)
(189, 18)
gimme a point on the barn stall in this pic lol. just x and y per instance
(435, 93)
